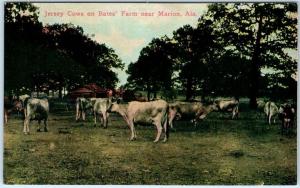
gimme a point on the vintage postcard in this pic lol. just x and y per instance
(157, 93)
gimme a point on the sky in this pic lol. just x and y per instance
(125, 27)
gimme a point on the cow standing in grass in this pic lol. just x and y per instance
(100, 107)
(271, 110)
(36, 109)
(287, 116)
(153, 112)
(228, 105)
(82, 105)
(195, 111)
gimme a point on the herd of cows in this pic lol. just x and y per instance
(157, 112)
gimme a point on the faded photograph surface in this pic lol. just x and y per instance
(150, 93)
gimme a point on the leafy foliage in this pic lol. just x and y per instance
(51, 57)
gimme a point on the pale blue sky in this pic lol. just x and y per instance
(127, 35)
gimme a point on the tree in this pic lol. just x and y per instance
(22, 35)
(196, 49)
(95, 61)
(153, 70)
(261, 33)
(54, 57)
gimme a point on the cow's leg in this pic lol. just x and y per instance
(270, 117)
(131, 126)
(83, 115)
(166, 128)
(39, 126)
(25, 114)
(45, 125)
(95, 119)
(171, 118)
(159, 130)
(234, 113)
(77, 114)
(26, 127)
(105, 119)
(5, 116)
(101, 119)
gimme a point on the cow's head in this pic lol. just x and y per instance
(114, 107)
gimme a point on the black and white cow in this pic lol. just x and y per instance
(82, 105)
(36, 109)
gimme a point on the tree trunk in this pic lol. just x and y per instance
(188, 94)
(148, 93)
(255, 71)
(60, 92)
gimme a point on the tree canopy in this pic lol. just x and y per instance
(224, 55)
(52, 57)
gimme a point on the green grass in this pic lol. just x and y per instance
(219, 151)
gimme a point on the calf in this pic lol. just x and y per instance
(153, 112)
(271, 110)
(101, 107)
(229, 105)
(287, 117)
(82, 105)
(195, 111)
(17, 106)
(36, 109)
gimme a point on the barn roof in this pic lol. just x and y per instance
(82, 90)
(94, 87)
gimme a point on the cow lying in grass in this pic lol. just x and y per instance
(194, 111)
(36, 109)
(153, 112)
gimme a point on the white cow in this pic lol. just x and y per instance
(194, 111)
(36, 109)
(270, 110)
(100, 107)
(230, 105)
(23, 98)
(153, 112)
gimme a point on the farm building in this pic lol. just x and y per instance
(89, 90)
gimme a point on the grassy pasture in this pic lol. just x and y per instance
(219, 151)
